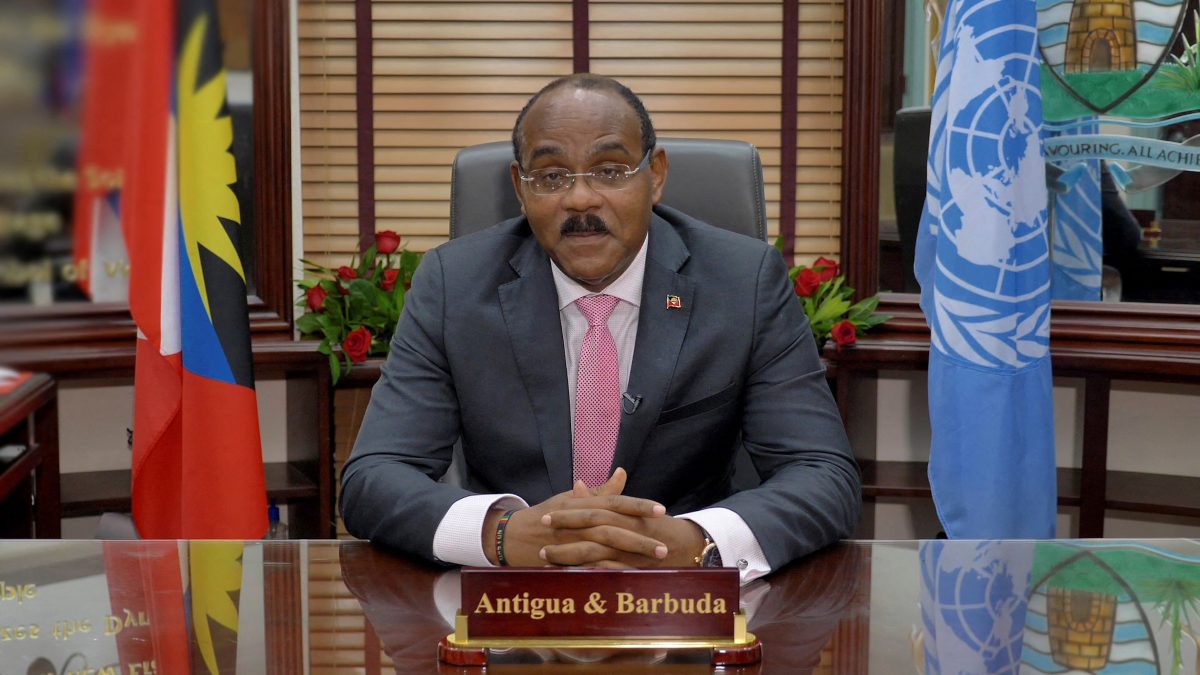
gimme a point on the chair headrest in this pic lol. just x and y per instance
(719, 182)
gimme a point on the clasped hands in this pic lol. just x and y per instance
(595, 527)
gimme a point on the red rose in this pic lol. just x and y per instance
(389, 279)
(357, 344)
(826, 269)
(806, 283)
(387, 241)
(347, 273)
(843, 334)
(316, 299)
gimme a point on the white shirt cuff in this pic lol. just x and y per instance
(737, 544)
(459, 537)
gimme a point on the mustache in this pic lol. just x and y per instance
(584, 224)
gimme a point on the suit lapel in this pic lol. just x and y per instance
(530, 307)
(659, 337)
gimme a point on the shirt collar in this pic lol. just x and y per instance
(627, 287)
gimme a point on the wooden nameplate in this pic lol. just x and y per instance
(573, 608)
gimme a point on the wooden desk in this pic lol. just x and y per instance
(29, 487)
(345, 606)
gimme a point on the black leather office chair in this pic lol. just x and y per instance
(909, 182)
(719, 182)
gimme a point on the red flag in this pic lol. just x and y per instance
(197, 464)
(107, 101)
(145, 590)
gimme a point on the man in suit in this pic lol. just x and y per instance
(601, 359)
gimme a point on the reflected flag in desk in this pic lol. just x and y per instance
(984, 267)
(215, 590)
(197, 458)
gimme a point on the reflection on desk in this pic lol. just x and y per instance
(859, 607)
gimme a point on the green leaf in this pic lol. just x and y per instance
(863, 308)
(779, 243)
(316, 267)
(383, 303)
(308, 324)
(872, 321)
(367, 262)
(334, 367)
(361, 298)
(833, 308)
(409, 261)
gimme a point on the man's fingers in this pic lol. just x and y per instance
(589, 553)
(616, 538)
(580, 489)
(630, 506)
(615, 484)
(621, 539)
(574, 519)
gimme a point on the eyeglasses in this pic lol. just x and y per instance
(606, 177)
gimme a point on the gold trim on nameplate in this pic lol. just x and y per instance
(741, 637)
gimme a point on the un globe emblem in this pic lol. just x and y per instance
(974, 604)
(996, 216)
(991, 299)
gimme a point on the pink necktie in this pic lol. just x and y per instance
(597, 393)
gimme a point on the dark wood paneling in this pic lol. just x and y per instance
(788, 104)
(581, 37)
(860, 145)
(1096, 392)
(272, 168)
(364, 99)
(95, 492)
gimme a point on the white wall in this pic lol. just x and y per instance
(94, 414)
(1153, 428)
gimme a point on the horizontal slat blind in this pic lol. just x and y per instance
(328, 161)
(449, 75)
(819, 130)
(337, 627)
(704, 70)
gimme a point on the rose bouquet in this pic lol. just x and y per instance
(827, 303)
(355, 307)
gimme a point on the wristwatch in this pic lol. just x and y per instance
(710, 556)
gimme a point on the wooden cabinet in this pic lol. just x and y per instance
(1091, 487)
(29, 487)
(304, 482)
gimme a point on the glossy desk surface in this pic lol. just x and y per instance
(329, 607)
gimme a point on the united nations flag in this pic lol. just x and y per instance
(984, 267)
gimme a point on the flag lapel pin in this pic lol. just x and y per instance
(673, 302)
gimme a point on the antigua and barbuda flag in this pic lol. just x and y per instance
(197, 458)
(107, 101)
(215, 573)
(984, 268)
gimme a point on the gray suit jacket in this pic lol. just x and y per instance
(478, 352)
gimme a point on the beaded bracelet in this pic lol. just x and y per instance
(500, 537)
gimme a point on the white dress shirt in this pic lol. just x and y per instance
(458, 538)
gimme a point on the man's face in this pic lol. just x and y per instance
(592, 235)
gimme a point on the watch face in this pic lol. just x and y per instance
(711, 557)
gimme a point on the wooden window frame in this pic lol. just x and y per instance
(1122, 331)
(42, 336)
